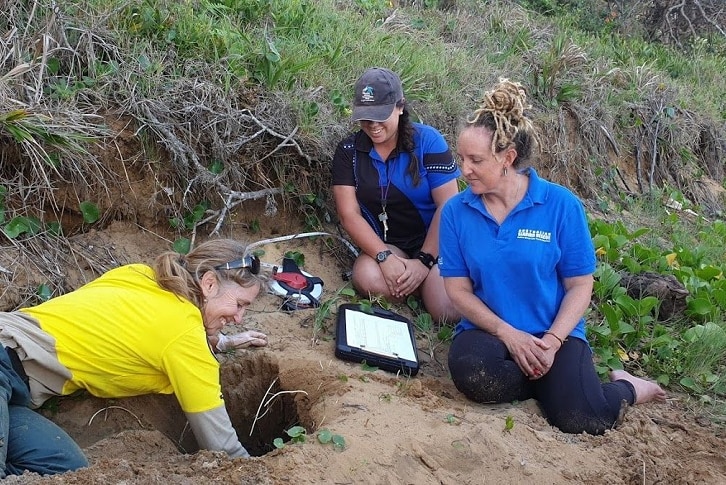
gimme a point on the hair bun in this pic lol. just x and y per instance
(507, 99)
(502, 111)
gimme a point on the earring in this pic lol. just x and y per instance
(505, 171)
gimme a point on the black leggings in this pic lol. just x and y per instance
(571, 394)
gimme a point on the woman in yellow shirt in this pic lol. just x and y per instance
(135, 330)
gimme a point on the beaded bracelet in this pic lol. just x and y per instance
(555, 336)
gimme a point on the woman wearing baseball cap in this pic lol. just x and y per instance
(390, 180)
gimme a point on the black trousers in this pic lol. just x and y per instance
(571, 394)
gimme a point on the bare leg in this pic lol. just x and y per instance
(368, 279)
(645, 390)
(436, 300)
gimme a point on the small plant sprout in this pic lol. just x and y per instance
(508, 424)
(366, 306)
(369, 368)
(44, 292)
(403, 387)
(325, 436)
(338, 442)
(413, 303)
(453, 420)
(424, 322)
(192, 218)
(22, 225)
(182, 245)
(90, 212)
(297, 434)
(296, 256)
(325, 311)
(216, 167)
(255, 226)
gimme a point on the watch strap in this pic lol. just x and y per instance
(427, 259)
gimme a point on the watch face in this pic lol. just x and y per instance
(381, 257)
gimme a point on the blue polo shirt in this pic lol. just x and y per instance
(517, 268)
(410, 208)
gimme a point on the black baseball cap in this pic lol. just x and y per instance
(376, 93)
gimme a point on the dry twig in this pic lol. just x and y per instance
(113, 407)
(268, 402)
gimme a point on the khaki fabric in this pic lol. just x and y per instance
(36, 349)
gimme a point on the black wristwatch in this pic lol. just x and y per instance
(381, 257)
(427, 260)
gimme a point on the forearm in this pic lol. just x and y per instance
(354, 223)
(362, 234)
(573, 306)
(476, 311)
(431, 243)
(440, 195)
(213, 431)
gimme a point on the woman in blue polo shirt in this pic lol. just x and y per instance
(389, 181)
(517, 260)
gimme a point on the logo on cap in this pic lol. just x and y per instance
(367, 95)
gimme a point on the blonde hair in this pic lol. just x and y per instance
(501, 111)
(181, 274)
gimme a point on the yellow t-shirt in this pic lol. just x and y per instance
(122, 335)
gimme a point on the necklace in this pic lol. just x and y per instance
(383, 216)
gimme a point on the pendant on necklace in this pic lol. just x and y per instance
(383, 217)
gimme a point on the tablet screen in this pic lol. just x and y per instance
(378, 335)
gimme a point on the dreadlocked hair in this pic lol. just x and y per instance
(406, 144)
(501, 110)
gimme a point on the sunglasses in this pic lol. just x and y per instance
(252, 263)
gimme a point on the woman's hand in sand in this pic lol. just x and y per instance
(241, 340)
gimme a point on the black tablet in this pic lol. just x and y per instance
(380, 337)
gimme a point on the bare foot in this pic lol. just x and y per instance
(645, 390)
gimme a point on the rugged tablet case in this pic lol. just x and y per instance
(354, 354)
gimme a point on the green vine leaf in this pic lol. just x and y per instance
(20, 225)
(90, 212)
(338, 442)
(182, 245)
(44, 292)
(325, 436)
